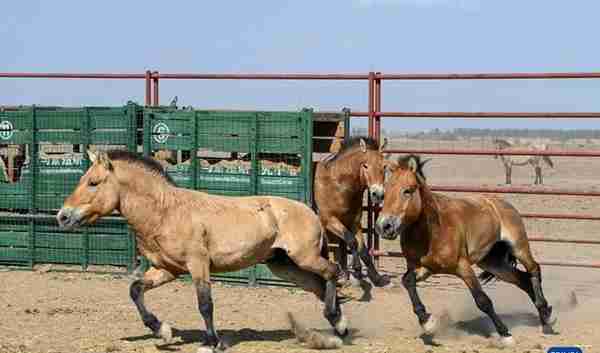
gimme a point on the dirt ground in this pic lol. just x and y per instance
(72, 313)
(68, 313)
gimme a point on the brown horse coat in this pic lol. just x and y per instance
(441, 234)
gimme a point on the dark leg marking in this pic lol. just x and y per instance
(136, 292)
(409, 281)
(205, 306)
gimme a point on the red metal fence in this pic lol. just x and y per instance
(375, 113)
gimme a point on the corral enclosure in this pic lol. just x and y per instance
(234, 153)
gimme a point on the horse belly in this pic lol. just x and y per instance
(242, 246)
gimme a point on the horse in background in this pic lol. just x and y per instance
(186, 231)
(339, 184)
(534, 161)
(448, 235)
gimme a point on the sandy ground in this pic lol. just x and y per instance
(72, 313)
(58, 312)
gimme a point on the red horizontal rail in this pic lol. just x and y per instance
(71, 75)
(543, 239)
(489, 76)
(383, 253)
(190, 76)
(539, 115)
(491, 152)
(553, 216)
(309, 76)
(514, 190)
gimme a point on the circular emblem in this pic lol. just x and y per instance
(6, 130)
(161, 132)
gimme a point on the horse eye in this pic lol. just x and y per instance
(93, 183)
(408, 192)
(366, 166)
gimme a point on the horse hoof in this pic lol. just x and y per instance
(431, 325)
(341, 327)
(383, 281)
(506, 341)
(551, 321)
(165, 332)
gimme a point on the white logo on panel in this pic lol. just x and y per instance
(161, 132)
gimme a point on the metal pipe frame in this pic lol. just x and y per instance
(375, 114)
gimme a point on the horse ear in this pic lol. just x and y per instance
(104, 160)
(413, 165)
(92, 156)
(383, 145)
(363, 145)
(388, 168)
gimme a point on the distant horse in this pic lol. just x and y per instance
(440, 234)
(339, 185)
(534, 161)
(184, 231)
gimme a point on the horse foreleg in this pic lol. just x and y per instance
(377, 279)
(508, 174)
(483, 302)
(348, 239)
(153, 278)
(201, 278)
(409, 281)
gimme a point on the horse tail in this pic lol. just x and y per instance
(502, 253)
(311, 338)
(548, 161)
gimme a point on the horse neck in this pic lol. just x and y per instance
(428, 223)
(144, 200)
(346, 171)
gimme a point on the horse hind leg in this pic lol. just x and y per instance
(522, 252)
(153, 278)
(313, 262)
(483, 302)
(516, 240)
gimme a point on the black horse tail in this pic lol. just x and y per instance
(502, 253)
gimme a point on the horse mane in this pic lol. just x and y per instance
(430, 206)
(350, 145)
(149, 164)
(502, 143)
(404, 160)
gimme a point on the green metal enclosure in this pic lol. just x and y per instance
(42, 157)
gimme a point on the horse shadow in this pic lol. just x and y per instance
(482, 326)
(231, 338)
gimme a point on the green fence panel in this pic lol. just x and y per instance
(235, 153)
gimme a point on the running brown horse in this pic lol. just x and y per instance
(446, 235)
(184, 231)
(339, 186)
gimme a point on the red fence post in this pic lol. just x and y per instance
(148, 95)
(155, 82)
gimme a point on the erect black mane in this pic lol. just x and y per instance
(354, 142)
(403, 163)
(148, 163)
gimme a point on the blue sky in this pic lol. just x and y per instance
(352, 36)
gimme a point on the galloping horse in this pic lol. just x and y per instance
(339, 186)
(534, 161)
(184, 231)
(440, 234)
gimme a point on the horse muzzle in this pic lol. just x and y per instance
(389, 227)
(376, 193)
(70, 218)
